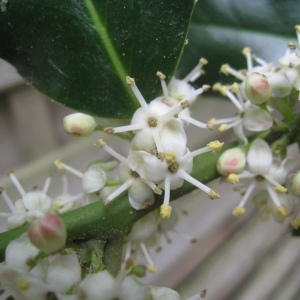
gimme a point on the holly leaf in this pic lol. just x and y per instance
(220, 29)
(78, 53)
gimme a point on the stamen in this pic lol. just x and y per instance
(210, 123)
(248, 193)
(131, 127)
(225, 92)
(277, 187)
(215, 146)
(194, 122)
(16, 183)
(151, 267)
(72, 199)
(233, 178)
(247, 52)
(162, 78)
(165, 211)
(119, 190)
(62, 166)
(153, 186)
(226, 69)
(102, 144)
(238, 211)
(46, 185)
(131, 82)
(196, 72)
(297, 28)
(174, 111)
(194, 153)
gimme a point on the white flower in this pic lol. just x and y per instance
(250, 117)
(32, 204)
(140, 190)
(265, 174)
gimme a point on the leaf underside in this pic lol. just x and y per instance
(78, 53)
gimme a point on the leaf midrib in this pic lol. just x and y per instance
(110, 49)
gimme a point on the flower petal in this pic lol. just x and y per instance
(256, 119)
(259, 157)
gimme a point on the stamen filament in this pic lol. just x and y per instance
(8, 201)
(120, 189)
(130, 127)
(191, 120)
(46, 185)
(139, 96)
(17, 184)
(184, 175)
(167, 191)
(248, 193)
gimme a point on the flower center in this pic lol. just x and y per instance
(173, 168)
(259, 178)
(135, 174)
(152, 122)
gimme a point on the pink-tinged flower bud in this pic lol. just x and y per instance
(296, 184)
(79, 124)
(232, 161)
(258, 88)
(48, 233)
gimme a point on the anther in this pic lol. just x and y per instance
(109, 130)
(130, 81)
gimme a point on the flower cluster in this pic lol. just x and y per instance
(159, 158)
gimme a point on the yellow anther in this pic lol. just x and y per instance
(224, 69)
(100, 143)
(205, 87)
(161, 156)
(222, 127)
(295, 223)
(160, 75)
(238, 211)
(215, 146)
(213, 195)
(203, 61)
(157, 190)
(224, 90)
(280, 189)
(281, 211)
(216, 87)
(292, 46)
(58, 165)
(130, 81)
(152, 269)
(165, 211)
(246, 50)
(185, 104)
(109, 130)
(235, 88)
(170, 157)
(56, 204)
(297, 27)
(210, 123)
(233, 178)
(23, 284)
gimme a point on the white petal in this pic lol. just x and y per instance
(16, 220)
(148, 166)
(173, 137)
(37, 200)
(93, 179)
(178, 89)
(93, 285)
(144, 227)
(143, 140)
(63, 273)
(239, 132)
(256, 119)
(140, 195)
(19, 251)
(259, 157)
(131, 290)
(163, 293)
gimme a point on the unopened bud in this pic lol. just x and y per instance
(79, 124)
(48, 233)
(258, 88)
(296, 184)
(231, 161)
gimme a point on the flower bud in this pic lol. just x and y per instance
(257, 88)
(296, 184)
(79, 124)
(231, 161)
(48, 233)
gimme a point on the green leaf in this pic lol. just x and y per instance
(220, 29)
(78, 53)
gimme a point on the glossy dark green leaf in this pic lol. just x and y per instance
(220, 29)
(78, 52)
